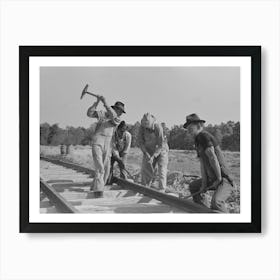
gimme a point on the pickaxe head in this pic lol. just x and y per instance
(84, 91)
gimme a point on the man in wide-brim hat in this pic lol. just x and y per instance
(215, 174)
(118, 107)
(102, 141)
(193, 118)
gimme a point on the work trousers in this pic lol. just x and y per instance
(221, 194)
(150, 170)
(101, 154)
(122, 171)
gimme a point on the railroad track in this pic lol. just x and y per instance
(65, 188)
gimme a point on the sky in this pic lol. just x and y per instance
(169, 93)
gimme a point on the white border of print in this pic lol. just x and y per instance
(245, 142)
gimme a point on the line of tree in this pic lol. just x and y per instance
(227, 134)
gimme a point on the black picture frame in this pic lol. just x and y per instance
(25, 52)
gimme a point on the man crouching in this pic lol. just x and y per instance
(214, 172)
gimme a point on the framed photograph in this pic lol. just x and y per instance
(140, 139)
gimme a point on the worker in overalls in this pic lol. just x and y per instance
(215, 174)
(121, 147)
(153, 144)
(102, 141)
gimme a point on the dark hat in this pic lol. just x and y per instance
(122, 125)
(193, 118)
(119, 105)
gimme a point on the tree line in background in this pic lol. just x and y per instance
(227, 134)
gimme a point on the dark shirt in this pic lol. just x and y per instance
(203, 141)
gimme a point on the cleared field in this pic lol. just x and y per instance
(180, 163)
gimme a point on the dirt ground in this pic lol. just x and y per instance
(180, 163)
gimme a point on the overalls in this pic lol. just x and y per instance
(101, 152)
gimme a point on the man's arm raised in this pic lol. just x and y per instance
(91, 112)
(112, 114)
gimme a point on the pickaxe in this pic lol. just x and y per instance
(84, 92)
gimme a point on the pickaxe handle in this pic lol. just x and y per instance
(128, 173)
(95, 95)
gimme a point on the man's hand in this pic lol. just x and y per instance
(151, 159)
(102, 98)
(216, 184)
(203, 186)
(147, 155)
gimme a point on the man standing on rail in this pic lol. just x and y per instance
(214, 171)
(102, 141)
(121, 147)
(155, 149)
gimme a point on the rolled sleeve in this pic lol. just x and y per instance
(140, 140)
(92, 112)
(160, 140)
(113, 117)
(101, 115)
(127, 142)
(205, 140)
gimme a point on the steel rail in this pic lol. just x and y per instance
(63, 205)
(185, 205)
(68, 165)
(180, 203)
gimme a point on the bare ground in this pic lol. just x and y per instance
(180, 163)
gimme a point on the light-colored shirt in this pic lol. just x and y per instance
(152, 140)
(106, 124)
(121, 145)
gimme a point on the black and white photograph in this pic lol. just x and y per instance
(139, 140)
(175, 130)
(142, 139)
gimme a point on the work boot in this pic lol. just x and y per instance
(97, 194)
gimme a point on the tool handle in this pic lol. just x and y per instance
(95, 95)
(128, 173)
